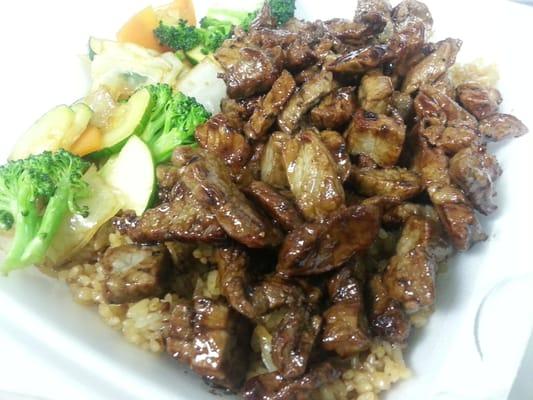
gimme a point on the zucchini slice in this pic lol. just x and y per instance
(195, 56)
(127, 120)
(45, 134)
(132, 173)
(82, 116)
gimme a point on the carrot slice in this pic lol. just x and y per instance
(140, 30)
(178, 9)
(89, 142)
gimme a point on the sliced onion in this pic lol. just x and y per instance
(203, 83)
(75, 232)
(102, 104)
(264, 339)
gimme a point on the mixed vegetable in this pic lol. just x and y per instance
(78, 165)
(195, 43)
(173, 120)
(36, 193)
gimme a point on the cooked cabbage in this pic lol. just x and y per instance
(203, 83)
(122, 68)
(75, 232)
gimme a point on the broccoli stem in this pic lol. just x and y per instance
(26, 224)
(56, 210)
(232, 16)
(163, 147)
(152, 128)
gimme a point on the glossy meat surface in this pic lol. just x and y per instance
(410, 275)
(296, 246)
(375, 92)
(270, 107)
(182, 217)
(399, 183)
(501, 126)
(293, 341)
(312, 176)
(208, 179)
(273, 386)
(277, 206)
(377, 136)
(222, 137)
(304, 99)
(134, 272)
(336, 145)
(273, 169)
(433, 66)
(335, 110)
(345, 325)
(252, 70)
(386, 317)
(315, 248)
(475, 171)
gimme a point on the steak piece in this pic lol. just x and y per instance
(221, 137)
(480, 101)
(250, 70)
(387, 319)
(375, 93)
(457, 216)
(396, 182)
(304, 99)
(377, 136)
(313, 176)
(400, 213)
(253, 300)
(315, 248)
(433, 107)
(345, 325)
(475, 171)
(501, 126)
(410, 275)
(179, 342)
(450, 139)
(408, 10)
(182, 217)
(335, 110)
(356, 33)
(273, 170)
(209, 181)
(268, 110)
(280, 208)
(273, 386)
(293, 341)
(443, 122)
(455, 212)
(212, 339)
(300, 55)
(360, 60)
(221, 343)
(337, 147)
(433, 66)
(133, 273)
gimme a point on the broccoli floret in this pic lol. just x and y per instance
(213, 33)
(172, 123)
(217, 27)
(282, 10)
(247, 20)
(183, 37)
(235, 18)
(36, 194)
(178, 37)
